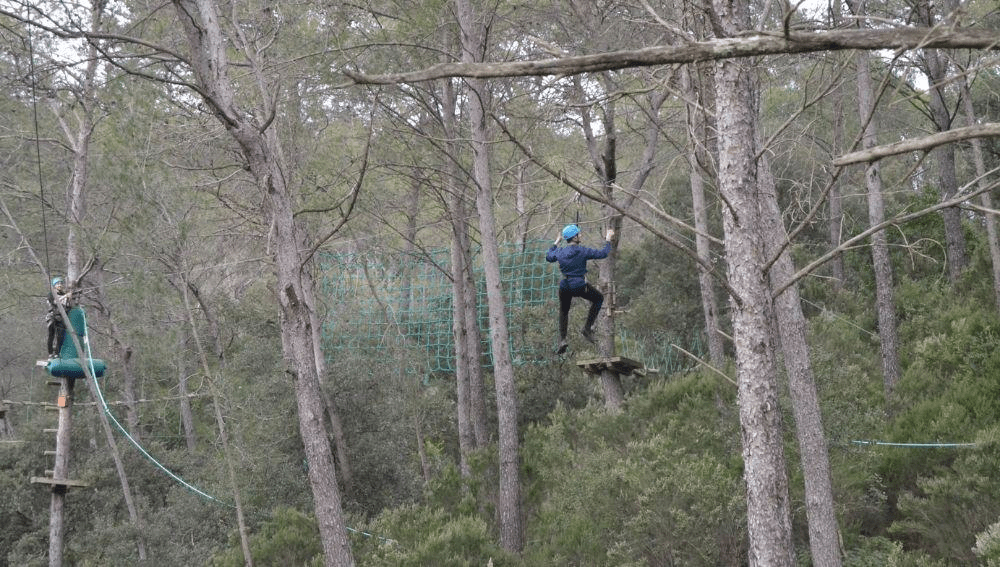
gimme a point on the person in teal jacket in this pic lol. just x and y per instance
(573, 265)
(56, 325)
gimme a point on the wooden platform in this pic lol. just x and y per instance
(61, 484)
(617, 364)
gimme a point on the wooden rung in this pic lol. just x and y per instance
(49, 453)
(53, 383)
(617, 364)
(49, 472)
(62, 483)
(50, 431)
(51, 407)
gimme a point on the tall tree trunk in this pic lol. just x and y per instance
(187, 416)
(473, 38)
(340, 446)
(264, 158)
(768, 514)
(220, 422)
(78, 139)
(835, 225)
(935, 67)
(887, 329)
(474, 350)
(696, 154)
(466, 358)
(985, 199)
(824, 533)
(123, 352)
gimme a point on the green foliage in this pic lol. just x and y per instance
(415, 536)
(290, 538)
(661, 480)
(883, 552)
(988, 545)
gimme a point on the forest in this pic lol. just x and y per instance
(308, 240)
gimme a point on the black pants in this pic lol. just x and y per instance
(588, 292)
(57, 332)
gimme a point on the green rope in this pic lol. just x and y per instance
(145, 453)
(158, 464)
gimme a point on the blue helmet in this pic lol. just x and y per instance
(570, 231)
(56, 280)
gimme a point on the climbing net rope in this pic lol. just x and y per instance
(403, 302)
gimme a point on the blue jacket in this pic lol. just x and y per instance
(573, 262)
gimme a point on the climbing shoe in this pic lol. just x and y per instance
(563, 345)
(588, 334)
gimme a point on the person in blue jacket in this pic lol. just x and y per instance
(573, 265)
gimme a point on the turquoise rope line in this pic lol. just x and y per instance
(107, 410)
(171, 474)
(887, 444)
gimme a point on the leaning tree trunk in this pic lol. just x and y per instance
(824, 533)
(472, 31)
(768, 514)
(263, 154)
(220, 422)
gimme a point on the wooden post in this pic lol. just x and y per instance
(60, 471)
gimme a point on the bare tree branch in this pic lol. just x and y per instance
(726, 48)
(901, 219)
(919, 144)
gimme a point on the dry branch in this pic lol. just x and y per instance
(715, 49)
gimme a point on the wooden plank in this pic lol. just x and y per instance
(60, 483)
(49, 430)
(49, 453)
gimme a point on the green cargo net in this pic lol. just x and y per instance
(403, 302)
(401, 305)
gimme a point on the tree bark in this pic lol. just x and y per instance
(888, 334)
(472, 31)
(768, 514)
